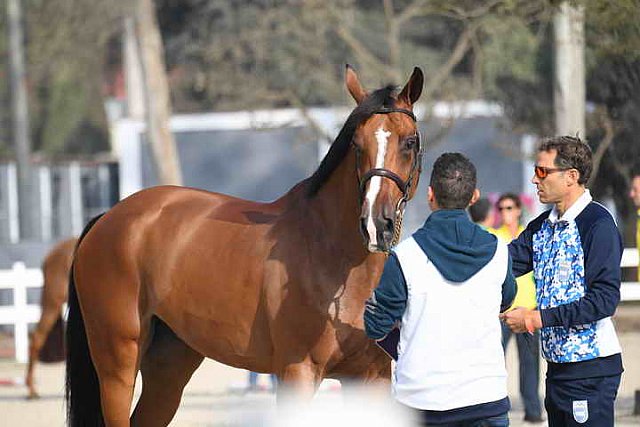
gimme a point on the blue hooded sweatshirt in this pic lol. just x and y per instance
(456, 246)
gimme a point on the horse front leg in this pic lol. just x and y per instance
(369, 367)
(298, 381)
(166, 368)
(379, 371)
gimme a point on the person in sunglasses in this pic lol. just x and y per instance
(509, 208)
(574, 250)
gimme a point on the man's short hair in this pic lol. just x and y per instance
(453, 180)
(479, 211)
(572, 153)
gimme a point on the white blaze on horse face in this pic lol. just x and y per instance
(382, 136)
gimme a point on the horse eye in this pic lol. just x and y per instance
(410, 143)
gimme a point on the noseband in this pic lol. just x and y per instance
(404, 186)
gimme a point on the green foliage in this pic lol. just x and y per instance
(246, 54)
(612, 37)
(613, 27)
(235, 55)
(65, 56)
(63, 110)
(229, 55)
(510, 50)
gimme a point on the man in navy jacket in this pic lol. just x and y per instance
(574, 250)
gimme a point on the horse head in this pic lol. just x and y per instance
(388, 160)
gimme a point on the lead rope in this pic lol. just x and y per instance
(397, 226)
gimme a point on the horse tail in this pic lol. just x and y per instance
(82, 389)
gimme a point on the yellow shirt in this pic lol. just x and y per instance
(526, 286)
(638, 240)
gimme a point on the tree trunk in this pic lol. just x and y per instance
(133, 72)
(569, 82)
(26, 195)
(157, 97)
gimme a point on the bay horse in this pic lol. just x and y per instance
(46, 341)
(171, 275)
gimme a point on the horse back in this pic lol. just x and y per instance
(198, 260)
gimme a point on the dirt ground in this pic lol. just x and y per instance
(214, 396)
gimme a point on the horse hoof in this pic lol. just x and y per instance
(33, 395)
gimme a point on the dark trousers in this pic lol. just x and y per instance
(585, 402)
(529, 366)
(501, 420)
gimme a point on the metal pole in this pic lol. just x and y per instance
(26, 200)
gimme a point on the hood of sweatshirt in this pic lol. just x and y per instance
(456, 246)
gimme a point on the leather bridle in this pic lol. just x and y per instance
(404, 186)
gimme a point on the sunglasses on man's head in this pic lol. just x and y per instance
(542, 172)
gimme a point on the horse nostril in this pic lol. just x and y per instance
(385, 228)
(388, 224)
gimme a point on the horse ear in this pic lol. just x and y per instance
(353, 85)
(412, 90)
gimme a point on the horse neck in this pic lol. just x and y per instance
(334, 216)
(335, 209)
(329, 222)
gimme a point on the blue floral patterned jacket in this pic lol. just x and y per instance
(576, 265)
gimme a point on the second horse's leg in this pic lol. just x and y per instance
(50, 314)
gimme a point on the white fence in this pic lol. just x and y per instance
(20, 314)
(66, 195)
(630, 291)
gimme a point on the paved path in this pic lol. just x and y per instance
(213, 398)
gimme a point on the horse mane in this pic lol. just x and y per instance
(373, 102)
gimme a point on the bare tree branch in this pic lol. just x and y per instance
(621, 167)
(461, 48)
(442, 74)
(315, 126)
(483, 9)
(417, 8)
(362, 52)
(609, 134)
(476, 73)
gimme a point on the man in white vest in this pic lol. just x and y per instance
(446, 286)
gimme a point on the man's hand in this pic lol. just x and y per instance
(522, 319)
